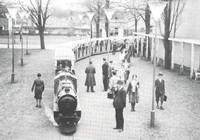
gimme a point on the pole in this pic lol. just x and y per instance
(152, 123)
(27, 36)
(21, 38)
(81, 30)
(8, 35)
(108, 47)
(90, 39)
(13, 70)
(8, 39)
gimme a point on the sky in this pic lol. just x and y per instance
(58, 8)
(61, 4)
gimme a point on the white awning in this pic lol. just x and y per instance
(64, 53)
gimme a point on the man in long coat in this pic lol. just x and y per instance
(119, 104)
(105, 74)
(90, 78)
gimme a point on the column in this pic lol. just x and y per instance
(152, 50)
(147, 47)
(142, 44)
(192, 60)
(157, 52)
(172, 57)
(163, 54)
(182, 58)
(137, 45)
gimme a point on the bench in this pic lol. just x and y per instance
(197, 74)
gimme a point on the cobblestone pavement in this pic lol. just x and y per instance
(20, 119)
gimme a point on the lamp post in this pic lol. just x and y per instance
(80, 18)
(90, 16)
(21, 14)
(109, 13)
(9, 28)
(12, 11)
(156, 8)
(27, 16)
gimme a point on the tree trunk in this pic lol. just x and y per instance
(136, 24)
(97, 27)
(106, 21)
(147, 20)
(42, 44)
(91, 32)
(167, 44)
(147, 26)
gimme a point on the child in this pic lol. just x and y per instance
(132, 90)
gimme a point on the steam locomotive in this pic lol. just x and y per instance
(66, 109)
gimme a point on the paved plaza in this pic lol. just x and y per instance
(20, 119)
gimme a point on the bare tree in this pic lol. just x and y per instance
(141, 9)
(131, 9)
(2, 8)
(96, 6)
(39, 15)
(172, 16)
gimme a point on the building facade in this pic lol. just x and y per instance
(190, 21)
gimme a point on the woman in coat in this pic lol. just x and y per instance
(90, 78)
(38, 88)
(132, 90)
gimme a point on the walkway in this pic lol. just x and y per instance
(177, 121)
(21, 120)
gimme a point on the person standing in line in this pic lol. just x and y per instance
(90, 78)
(105, 74)
(111, 68)
(113, 82)
(132, 90)
(114, 48)
(160, 90)
(119, 103)
(38, 88)
(126, 67)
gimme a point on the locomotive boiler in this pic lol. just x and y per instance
(66, 109)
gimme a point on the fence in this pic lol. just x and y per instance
(88, 48)
(185, 53)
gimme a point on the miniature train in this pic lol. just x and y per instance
(66, 108)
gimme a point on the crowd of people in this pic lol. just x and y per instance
(118, 85)
(115, 80)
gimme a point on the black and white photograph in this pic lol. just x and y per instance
(99, 70)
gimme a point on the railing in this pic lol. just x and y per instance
(85, 48)
(185, 53)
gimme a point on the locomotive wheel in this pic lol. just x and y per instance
(67, 127)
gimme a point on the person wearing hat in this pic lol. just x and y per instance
(114, 47)
(119, 103)
(105, 74)
(160, 90)
(38, 88)
(111, 68)
(90, 78)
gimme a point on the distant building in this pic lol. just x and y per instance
(6, 23)
(190, 21)
(3, 20)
